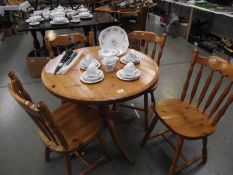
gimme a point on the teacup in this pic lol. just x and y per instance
(109, 63)
(131, 56)
(129, 69)
(92, 70)
(84, 14)
(76, 18)
(88, 60)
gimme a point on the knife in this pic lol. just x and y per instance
(63, 61)
(71, 58)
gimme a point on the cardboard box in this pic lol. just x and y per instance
(36, 64)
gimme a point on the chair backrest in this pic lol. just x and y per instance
(136, 38)
(39, 113)
(221, 95)
(67, 41)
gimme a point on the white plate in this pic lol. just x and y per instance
(75, 21)
(125, 61)
(114, 38)
(91, 81)
(59, 23)
(122, 76)
(84, 66)
(86, 17)
(34, 24)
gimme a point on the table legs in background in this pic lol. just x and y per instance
(36, 42)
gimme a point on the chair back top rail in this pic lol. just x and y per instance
(67, 40)
(137, 37)
(217, 66)
(39, 113)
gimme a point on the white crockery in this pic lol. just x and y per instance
(92, 70)
(109, 63)
(88, 60)
(115, 38)
(106, 53)
(129, 69)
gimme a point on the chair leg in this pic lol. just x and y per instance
(176, 156)
(47, 153)
(103, 145)
(146, 112)
(68, 164)
(148, 132)
(204, 150)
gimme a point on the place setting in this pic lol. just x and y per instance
(128, 73)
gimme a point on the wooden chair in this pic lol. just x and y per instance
(132, 22)
(191, 120)
(53, 42)
(66, 130)
(135, 39)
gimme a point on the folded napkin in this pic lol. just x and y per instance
(52, 64)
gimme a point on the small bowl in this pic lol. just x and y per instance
(107, 53)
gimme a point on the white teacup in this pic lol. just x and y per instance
(131, 56)
(76, 18)
(88, 60)
(92, 70)
(129, 69)
(84, 14)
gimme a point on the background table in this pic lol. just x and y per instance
(99, 18)
(109, 91)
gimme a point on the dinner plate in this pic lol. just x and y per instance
(59, 23)
(122, 76)
(84, 66)
(92, 80)
(115, 38)
(124, 60)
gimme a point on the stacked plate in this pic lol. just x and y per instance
(59, 21)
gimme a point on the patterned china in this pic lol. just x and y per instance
(115, 38)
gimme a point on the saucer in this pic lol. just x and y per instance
(75, 21)
(34, 24)
(90, 80)
(84, 66)
(123, 76)
(124, 60)
(86, 17)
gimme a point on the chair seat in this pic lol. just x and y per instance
(184, 119)
(72, 117)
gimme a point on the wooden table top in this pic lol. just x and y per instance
(107, 8)
(98, 19)
(110, 90)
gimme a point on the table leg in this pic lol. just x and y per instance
(95, 35)
(43, 35)
(115, 136)
(36, 43)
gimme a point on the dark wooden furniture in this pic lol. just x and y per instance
(66, 130)
(197, 120)
(68, 40)
(98, 20)
(105, 93)
(136, 38)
